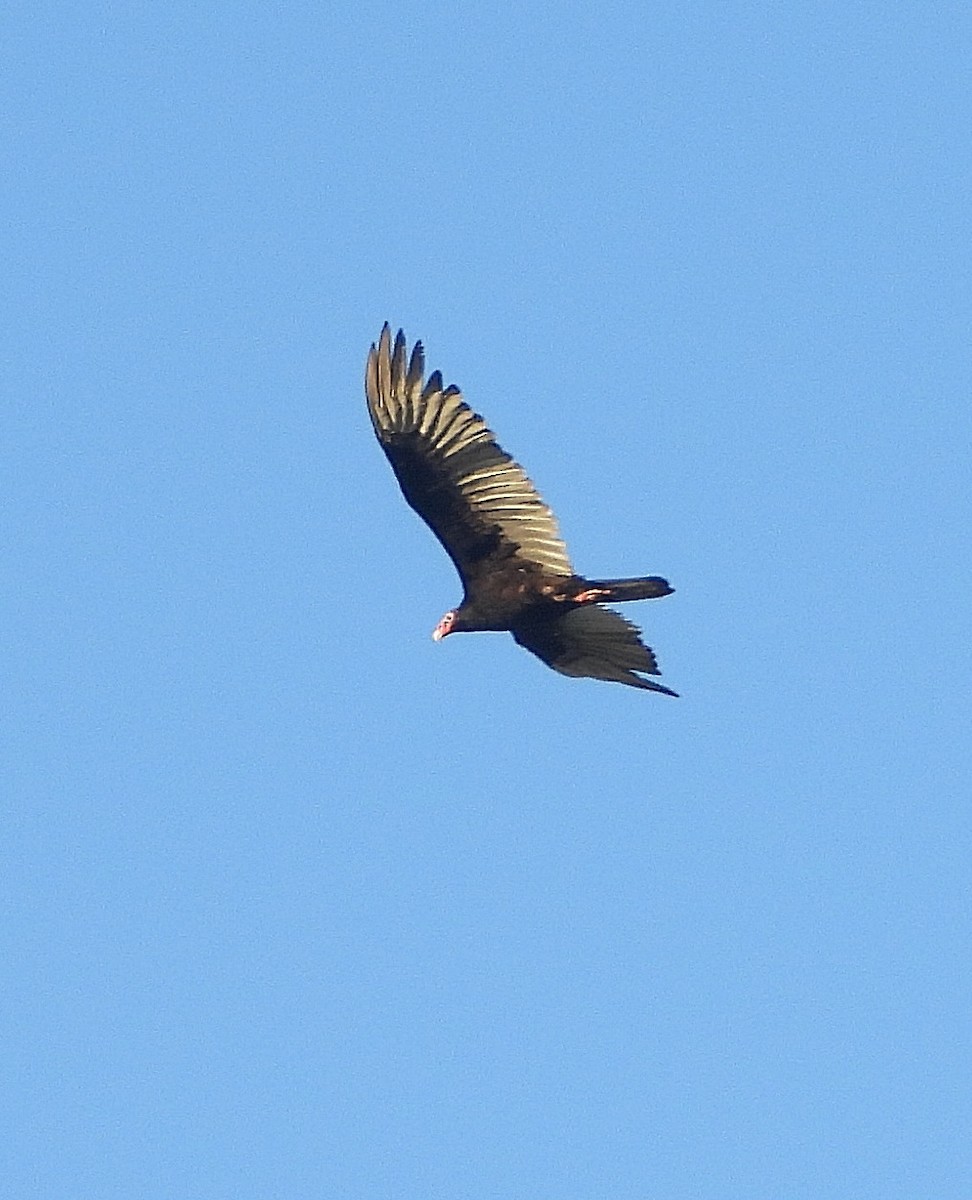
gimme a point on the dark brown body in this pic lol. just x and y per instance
(520, 596)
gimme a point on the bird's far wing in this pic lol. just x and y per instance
(594, 642)
(477, 501)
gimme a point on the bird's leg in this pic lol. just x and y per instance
(565, 596)
(590, 596)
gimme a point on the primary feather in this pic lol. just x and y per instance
(471, 493)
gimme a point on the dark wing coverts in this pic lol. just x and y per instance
(477, 501)
(594, 642)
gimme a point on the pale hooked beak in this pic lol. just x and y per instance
(443, 627)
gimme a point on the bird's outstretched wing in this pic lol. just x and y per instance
(476, 500)
(591, 641)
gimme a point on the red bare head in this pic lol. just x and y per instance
(444, 626)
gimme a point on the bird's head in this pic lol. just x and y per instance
(444, 626)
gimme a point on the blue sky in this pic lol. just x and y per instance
(297, 903)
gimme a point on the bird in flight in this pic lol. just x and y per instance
(501, 536)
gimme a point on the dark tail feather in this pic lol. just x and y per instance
(651, 587)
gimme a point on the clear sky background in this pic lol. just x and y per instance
(296, 903)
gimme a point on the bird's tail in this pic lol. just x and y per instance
(650, 587)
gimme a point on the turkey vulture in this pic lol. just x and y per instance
(498, 532)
